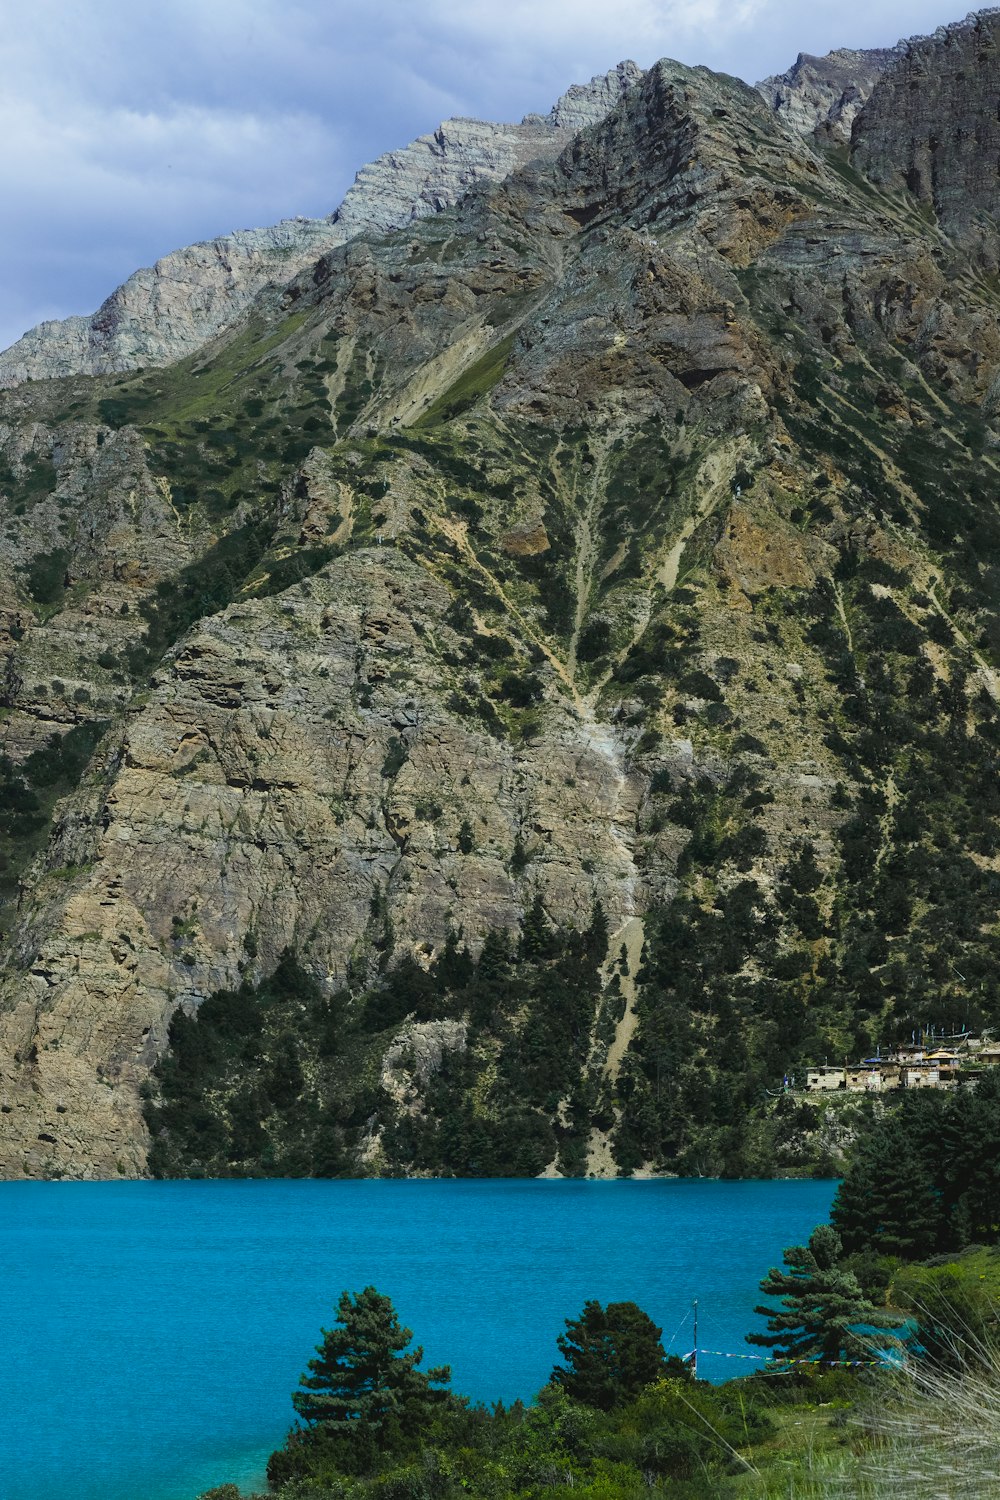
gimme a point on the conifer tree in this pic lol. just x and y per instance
(455, 967)
(536, 932)
(363, 1399)
(494, 959)
(363, 1375)
(887, 1202)
(596, 935)
(968, 1163)
(611, 1354)
(822, 1306)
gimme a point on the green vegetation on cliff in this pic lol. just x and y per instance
(757, 969)
(28, 794)
(282, 1080)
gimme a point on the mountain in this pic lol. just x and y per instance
(169, 310)
(933, 129)
(823, 96)
(530, 682)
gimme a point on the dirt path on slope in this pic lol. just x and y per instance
(631, 938)
(458, 532)
(600, 1157)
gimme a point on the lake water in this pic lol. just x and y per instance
(151, 1333)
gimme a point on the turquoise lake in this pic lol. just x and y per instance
(152, 1332)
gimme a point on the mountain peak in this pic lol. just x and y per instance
(932, 127)
(823, 96)
(613, 549)
(584, 104)
(164, 312)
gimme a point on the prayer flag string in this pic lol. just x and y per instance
(852, 1364)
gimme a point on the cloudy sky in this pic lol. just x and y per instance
(129, 130)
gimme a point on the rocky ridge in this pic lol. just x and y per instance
(932, 128)
(823, 96)
(168, 310)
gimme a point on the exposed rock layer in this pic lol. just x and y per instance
(932, 127)
(168, 310)
(614, 538)
(823, 96)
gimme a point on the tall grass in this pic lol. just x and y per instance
(932, 1432)
(940, 1436)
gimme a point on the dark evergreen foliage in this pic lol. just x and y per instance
(365, 1371)
(822, 1313)
(377, 1426)
(927, 1178)
(28, 794)
(202, 588)
(363, 1397)
(278, 1079)
(46, 579)
(611, 1353)
(742, 986)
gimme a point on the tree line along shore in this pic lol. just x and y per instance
(877, 1336)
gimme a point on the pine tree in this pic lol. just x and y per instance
(969, 1168)
(887, 1202)
(536, 932)
(363, 1398)
(611, 1354)
(821, 1306)
(454, 967)
(905, 1213)
(850, 1213)
(495, 957)
(363, 1376)
(596, 935)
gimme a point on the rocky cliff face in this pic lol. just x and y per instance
(609, 556)
(932, 128)
(168, 310)
(823, 96)
(165, 311)
(435, 171)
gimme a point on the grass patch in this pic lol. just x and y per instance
(474, 383)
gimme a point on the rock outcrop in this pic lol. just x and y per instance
(436, 170)
(932, 127)
(167, 310)
(172, 308)
(254, 795)
(823, 96)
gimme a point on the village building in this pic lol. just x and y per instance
(910, 1067)
(921, 1078)
(854, 1079)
